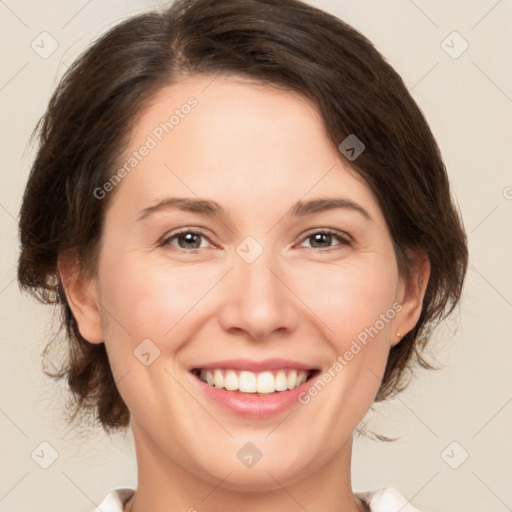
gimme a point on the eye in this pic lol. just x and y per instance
(323, 238)
(191, 239)
(186, 239)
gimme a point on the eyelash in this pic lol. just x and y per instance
(344, 239)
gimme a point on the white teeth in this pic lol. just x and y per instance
(301, 379)
(265, 383)
(250, 382)
(231, 380)
(281, 381)
(218, 379)
(247, 382)
(292, 379)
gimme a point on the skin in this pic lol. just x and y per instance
(255, 150)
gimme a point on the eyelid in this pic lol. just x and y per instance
(171, 234)
(341, 234)
(345, 238)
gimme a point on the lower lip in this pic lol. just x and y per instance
(252, 405)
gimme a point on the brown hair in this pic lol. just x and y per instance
(283, 43)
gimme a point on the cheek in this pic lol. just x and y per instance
(350, 297)
(145, 299)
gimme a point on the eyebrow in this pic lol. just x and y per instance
(211, 208)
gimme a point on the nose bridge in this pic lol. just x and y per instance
(253, 269)
(256, 274)
(259, 302)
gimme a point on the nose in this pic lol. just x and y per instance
(259, 299)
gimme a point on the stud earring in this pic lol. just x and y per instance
(398, 334)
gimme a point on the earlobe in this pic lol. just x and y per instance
(411, 295)
(82, 296)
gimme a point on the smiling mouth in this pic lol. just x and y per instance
(261, 383)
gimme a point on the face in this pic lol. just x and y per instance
(259, 289)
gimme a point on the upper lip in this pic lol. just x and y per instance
(254, 365)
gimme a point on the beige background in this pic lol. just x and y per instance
(468, 103)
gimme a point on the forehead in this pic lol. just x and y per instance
(251, 112)
(237, 142)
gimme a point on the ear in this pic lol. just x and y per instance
(411, 293)
(82, 296)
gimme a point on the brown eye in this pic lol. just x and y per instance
(323, 239)
(186, 239)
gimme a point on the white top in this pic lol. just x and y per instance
(386, 499)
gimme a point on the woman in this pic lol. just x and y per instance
(248, 225)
